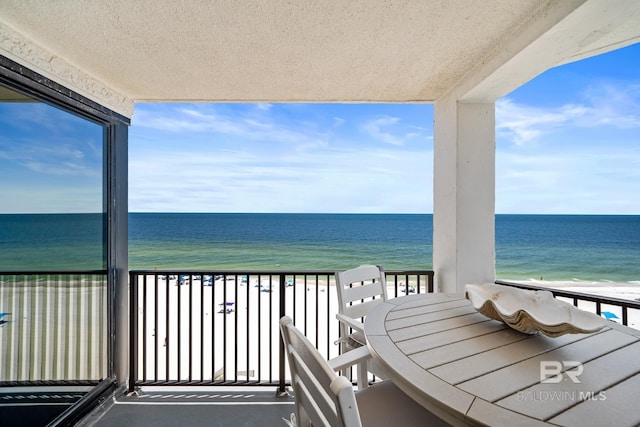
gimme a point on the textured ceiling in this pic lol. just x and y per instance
(276, 50)
(271, 50)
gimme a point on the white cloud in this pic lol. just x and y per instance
(613, 105)
(605, 105)
(523, 123)
(577, 157)
(327, 179)
(52, 157)
(586, 180)
(393, 130)
(239, 123)
(337, 122)
(376, 129)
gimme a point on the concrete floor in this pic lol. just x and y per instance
(219, 407)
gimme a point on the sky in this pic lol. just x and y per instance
(566, 142)
(353, 158)
(50, 160)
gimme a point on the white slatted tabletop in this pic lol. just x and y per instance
(472, 370)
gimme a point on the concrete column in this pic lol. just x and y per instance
(464, 194)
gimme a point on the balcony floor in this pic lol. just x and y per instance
(171, 406)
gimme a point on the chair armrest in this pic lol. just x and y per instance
(351, 322)
(350, 358)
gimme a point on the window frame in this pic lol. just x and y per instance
(115, 208)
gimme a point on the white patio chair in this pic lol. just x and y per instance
(325, 399)
(359, 290)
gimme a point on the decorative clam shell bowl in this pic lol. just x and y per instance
(532, 311)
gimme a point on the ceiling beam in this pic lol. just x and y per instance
(569, 30)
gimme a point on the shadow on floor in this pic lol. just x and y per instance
(180, 407)
(36, 406)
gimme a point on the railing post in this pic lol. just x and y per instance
(282, 391)
(133, 330)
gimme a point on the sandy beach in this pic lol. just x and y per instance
(243, 320)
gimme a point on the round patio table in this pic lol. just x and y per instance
(472, 370)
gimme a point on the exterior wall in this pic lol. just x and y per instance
(464, 194)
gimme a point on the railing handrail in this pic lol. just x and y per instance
(51, 272)
(599, 300)
(205, 271)
(147, 285)
(573, 294)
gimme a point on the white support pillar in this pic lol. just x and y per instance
(464, 194)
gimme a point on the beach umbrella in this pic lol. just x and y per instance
(226, 307)
(609, 315)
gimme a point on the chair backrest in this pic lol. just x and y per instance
(322, 397)
(357, 289)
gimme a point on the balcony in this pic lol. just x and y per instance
(204, 344)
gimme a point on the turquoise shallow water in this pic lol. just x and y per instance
(567, 247)
(51, 242)
(554, 247)
(279, 241)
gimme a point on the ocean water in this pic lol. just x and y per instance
(554, 247)
(279, 241)
(52, 242)
(568, 247)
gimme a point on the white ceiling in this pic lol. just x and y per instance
(316, 51)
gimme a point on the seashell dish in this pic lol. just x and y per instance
(531, 311)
